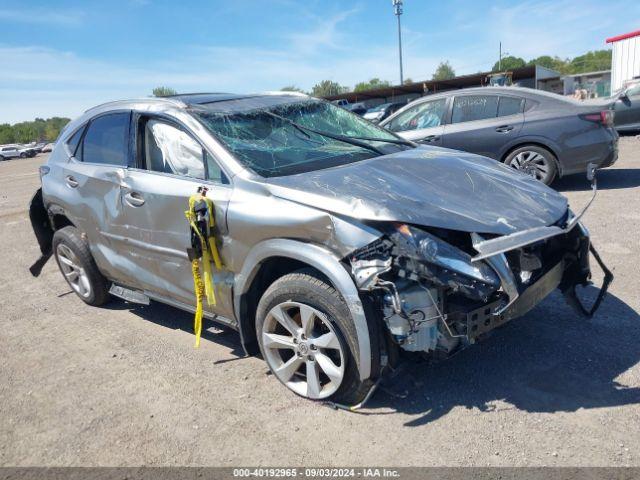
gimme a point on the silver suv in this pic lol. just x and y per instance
(341, 243)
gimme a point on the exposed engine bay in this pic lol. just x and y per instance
(435, 297)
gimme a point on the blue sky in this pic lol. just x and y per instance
(59, 58)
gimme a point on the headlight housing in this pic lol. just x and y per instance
(426, 247)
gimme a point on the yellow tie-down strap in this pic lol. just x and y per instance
(209, 253)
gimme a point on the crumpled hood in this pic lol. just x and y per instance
(428, 186)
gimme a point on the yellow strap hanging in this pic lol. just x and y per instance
(209, 253)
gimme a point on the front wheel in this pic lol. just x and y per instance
(536, 161)
(308, 339)
(23, 155)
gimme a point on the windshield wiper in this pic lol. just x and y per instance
(396, 141)
(334, 136)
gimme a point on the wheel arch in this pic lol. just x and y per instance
(258, 266)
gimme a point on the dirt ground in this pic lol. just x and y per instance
(123, 385)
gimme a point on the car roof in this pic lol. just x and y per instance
(209, 101)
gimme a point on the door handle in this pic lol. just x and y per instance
(134, 199)
(72, 182)
(430, 138)
(504, 128)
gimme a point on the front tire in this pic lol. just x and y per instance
(308, 339)
(78, 267)
(23, 155)
(535, 161)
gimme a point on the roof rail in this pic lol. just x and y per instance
(175, 102)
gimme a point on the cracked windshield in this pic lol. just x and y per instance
(297, 137)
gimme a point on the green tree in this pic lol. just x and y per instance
(591, 62)
(444, 71)
(509, 63)
(6, 134)
(291, 88)
(164, 92)
(326, 88)
(407, 81)
(554, 63)
(371, 84)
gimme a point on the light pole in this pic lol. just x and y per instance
(500, 55)
(397, 10)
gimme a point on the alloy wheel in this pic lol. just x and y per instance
(73, 272)
(303, 350)
(532, 163)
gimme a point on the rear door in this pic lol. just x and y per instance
(484, 124)
(98, 158)
(422, 123)
(170, 165)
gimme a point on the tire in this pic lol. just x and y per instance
(78, 267)
(2, 158)
(536, 161)
(23, 155)
(301, 295)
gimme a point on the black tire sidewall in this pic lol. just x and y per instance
(309, 290)
(71, 238)
(550, 157)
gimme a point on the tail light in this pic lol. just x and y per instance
(605, 117)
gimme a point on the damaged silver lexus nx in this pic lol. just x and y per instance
(340, 243)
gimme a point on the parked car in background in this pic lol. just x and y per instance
(48, 147)
(379, 113)
(542, 134)
(357, 108)
(340, 242)
(627, 107)
(9, 151)
(16, 151)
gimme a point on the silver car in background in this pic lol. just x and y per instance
(341, 243)
(543, 134)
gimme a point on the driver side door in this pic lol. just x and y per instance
(422, 123)
(170, 165)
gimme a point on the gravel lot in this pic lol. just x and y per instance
(123, 385)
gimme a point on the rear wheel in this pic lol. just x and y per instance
(78, 267)
(536, 161)
(308, 339)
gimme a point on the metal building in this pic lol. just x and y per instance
(625, 62)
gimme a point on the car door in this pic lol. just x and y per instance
(170, 165)
(422, 123)
(627, 108)
(98, 158)
(483, 124)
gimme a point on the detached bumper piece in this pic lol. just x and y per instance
(572, 298)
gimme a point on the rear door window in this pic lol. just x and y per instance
(469, 108)
(509, 106)
(424, 115)
(106, 140)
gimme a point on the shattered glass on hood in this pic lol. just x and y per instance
(271, 146)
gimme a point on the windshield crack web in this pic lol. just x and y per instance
(273, 146)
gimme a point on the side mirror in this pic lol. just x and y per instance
(623, 96)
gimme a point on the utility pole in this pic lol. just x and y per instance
(397, 10)
(500, 58)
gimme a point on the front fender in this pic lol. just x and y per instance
(324, 261)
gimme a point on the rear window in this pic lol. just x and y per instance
(474, 107)
(106, 140)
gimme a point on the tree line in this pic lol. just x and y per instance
(589, 62)
(39, 130)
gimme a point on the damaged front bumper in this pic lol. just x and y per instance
(435, 294)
